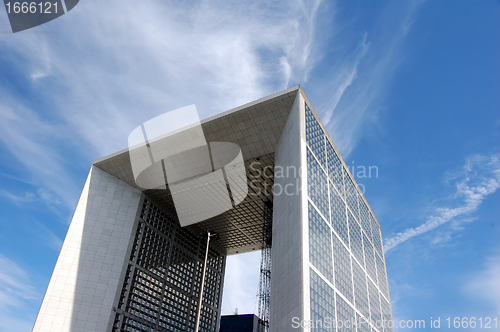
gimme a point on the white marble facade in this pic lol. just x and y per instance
(89, 271)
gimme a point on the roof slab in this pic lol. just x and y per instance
(255, 127)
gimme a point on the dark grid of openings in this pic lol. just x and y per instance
(315, 137)
(322, 304)
(339, 219)
(160, 290)
(245, 229)
(320, 242)
(246, 216)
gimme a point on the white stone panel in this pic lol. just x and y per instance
(86, 279)
(290, 279)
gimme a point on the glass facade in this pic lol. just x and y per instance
(321, 305)
(320, 244)
(348, 280)
(345, 315)
(369, 258)
(317, 186)
(338, 215)
(335, 168)
(356, 236)
(343, 273)
(315, 137)
(360, 290)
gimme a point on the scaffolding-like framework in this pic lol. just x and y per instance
(265, 268)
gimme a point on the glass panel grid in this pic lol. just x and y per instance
(386, 313)
(317, 185)
(370, 258)
(335, 168)
(377, 239)
(322, 303)
(362, 324)
(374, 304)
(365, 218)
(356, 240)
(357, 229)
(351, 195)
(345, 313)
(339, 218)
(382, 277)
(342, 265)
(320, 252)
(360, 290)
(315, 137)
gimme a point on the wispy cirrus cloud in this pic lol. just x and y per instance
(17, 198)
(477, 179)
(344, 79)
(36, 144)
(456, 225)
(362, 71)
(99, 75)
(15, 290)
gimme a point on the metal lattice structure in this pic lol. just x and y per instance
(265, 268)
(162, 282)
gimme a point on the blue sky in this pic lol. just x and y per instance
(408, 86)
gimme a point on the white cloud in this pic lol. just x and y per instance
(15, 290)
(34, 142)
(103, 74)
(445, 237)
(26, 197)
(344, 78)
(14, 283)
(478, 178)
(359, 79)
